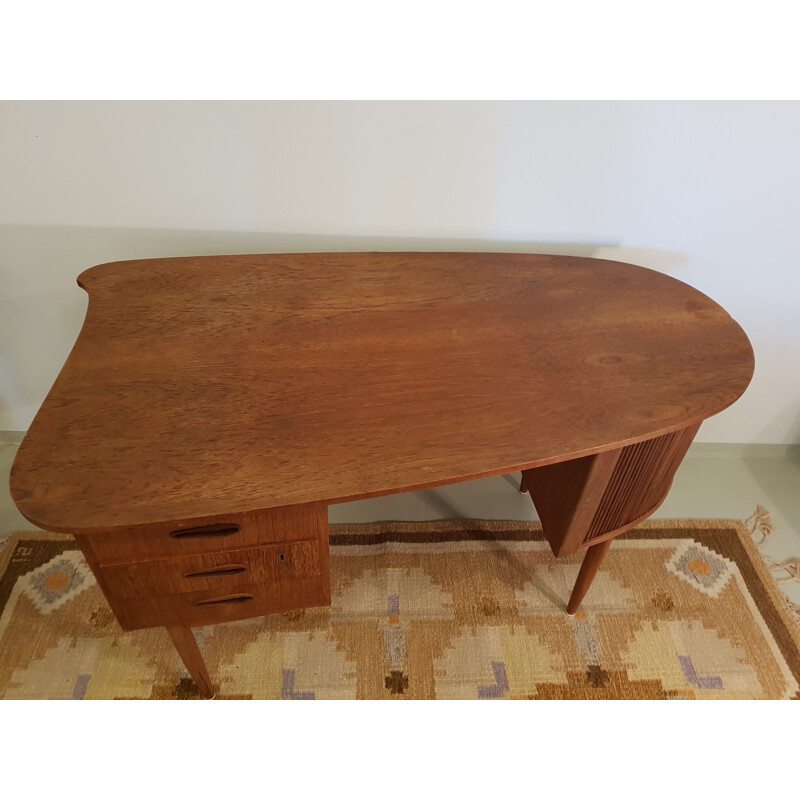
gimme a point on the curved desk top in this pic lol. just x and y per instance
(200, 386)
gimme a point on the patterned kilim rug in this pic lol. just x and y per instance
(679, 610)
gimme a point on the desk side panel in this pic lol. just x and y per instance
(588, 500)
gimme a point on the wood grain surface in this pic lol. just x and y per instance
(211, 607)
(202, 386)
(220, 571)
(296, 523)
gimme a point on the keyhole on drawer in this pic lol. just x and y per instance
(283, 557)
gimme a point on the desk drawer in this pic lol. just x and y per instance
(185, 538)
(210, 607)
(220, 571)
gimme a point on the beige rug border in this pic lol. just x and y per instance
(780, 601)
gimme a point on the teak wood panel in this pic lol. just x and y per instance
(567, 496)
(224, 570)
(583, 501)
(640, 482)
(296, 589)
(210, 607)
(202, 385)
(197, 536)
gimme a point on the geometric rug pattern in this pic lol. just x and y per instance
(680, 610)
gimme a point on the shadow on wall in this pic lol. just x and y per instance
(779, 482)
(59, 249)
(42, 308)
(5, 408)
(788, 419)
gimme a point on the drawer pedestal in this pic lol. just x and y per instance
(192, 573)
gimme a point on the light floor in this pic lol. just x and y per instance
(714, 482)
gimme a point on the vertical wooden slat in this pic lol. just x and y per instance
(640, 481)
(592, 497)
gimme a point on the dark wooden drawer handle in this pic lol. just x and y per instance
(219, 601)
(215, 572)
(206, 531)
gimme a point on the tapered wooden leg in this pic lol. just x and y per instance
(186, 645)
(522, 487)
(591, 563)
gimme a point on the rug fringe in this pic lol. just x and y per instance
(790, 565)
(760, 523)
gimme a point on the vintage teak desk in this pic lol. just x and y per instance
(212, 408)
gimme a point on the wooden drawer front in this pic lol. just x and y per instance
(234, 532)
(222, 571)
(196, 609)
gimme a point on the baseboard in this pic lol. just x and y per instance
(11, 437)
(721, 450)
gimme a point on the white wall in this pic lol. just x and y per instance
(704, 191)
